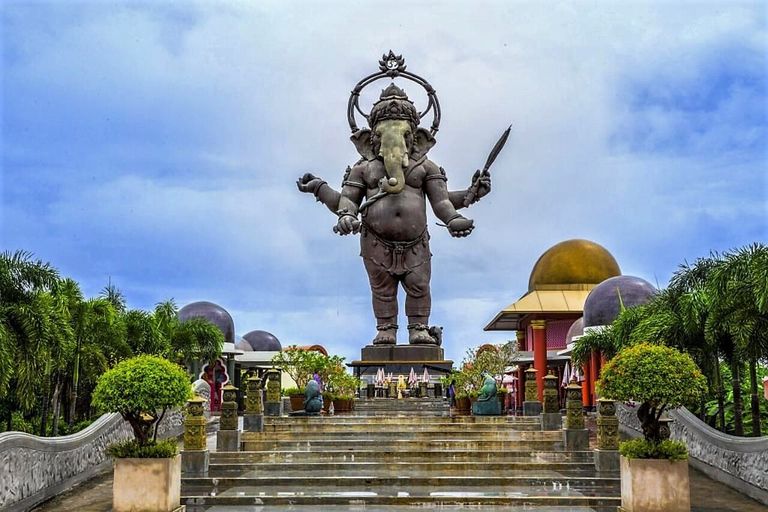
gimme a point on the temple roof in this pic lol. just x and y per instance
(539, 302)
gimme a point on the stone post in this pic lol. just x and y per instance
(576, 436)
(423, 389)
(370, 391)
(195, 457)
(550, 417)
(392, 389)
(274, 405)
(531, 406)
(253, 420)
(228, 437)
(607, 452)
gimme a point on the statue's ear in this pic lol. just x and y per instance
(362, 141)
(422, 143)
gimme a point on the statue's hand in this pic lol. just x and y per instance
(347, 224)
(460, 226)
(309, 183)
(481, 181)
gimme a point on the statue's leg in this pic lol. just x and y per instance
(418, 304)
(384, 299)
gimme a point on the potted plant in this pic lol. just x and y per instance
(654, 471)
(147, 473)
(296, 395)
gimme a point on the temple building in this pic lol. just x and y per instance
(558, 287)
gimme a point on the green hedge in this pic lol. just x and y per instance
(643, 449)
(131, 449)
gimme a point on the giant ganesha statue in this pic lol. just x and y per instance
(383, 198)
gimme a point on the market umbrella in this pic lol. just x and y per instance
(425, 377)
(566, 375)
(412, 380)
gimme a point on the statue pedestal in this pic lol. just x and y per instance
(551, 421)
(195, 462)
(399, 359)
(531, 408)
(253, 422)
(491, 407)
(576, 439)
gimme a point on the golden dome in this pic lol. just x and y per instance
(572, 263)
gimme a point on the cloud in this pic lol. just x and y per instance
(159, 144)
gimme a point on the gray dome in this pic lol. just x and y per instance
(603, 305)
(214, 313)
(576, 329)
(260, 341)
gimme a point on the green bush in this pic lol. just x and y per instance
(644, 449)
(659, 377)
(293, 391)
(142, 389)
(20, 424)
(131, 449)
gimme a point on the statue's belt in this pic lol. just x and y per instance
(397, 248)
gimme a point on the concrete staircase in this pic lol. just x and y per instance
(388, 454)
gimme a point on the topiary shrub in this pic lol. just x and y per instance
(659, 377)
(142, 389)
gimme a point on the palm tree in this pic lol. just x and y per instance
(195, 339)
(115, 297)
(739, 286)
(92, 323)
(30, 325)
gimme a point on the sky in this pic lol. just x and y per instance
(156, 145)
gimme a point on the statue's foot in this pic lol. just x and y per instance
(387, 335)
(418, 334)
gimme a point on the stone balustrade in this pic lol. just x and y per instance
(33, 468)
(739, 462)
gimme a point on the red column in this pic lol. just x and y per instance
(586, 397)
(540, 353)
(520, 388)
(593, 375)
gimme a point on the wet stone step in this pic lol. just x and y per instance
(352, 507)
(399, 445)
(402, 419)
(384, 435)
(511, 435)
(393, 428)
(544, 483)
(400, 468)
(404, 456)
(425, 499)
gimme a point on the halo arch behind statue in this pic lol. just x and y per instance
(392, 66)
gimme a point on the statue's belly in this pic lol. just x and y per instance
(400, 217)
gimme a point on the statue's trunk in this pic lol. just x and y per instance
(395, 155)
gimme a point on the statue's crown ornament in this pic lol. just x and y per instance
(393, 103)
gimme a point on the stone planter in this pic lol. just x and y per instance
(147, 485)
(649, 485)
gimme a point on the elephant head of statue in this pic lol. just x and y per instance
(394, 137)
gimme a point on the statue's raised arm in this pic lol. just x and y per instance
(384, 195)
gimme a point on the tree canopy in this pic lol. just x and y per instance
(142, 389)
